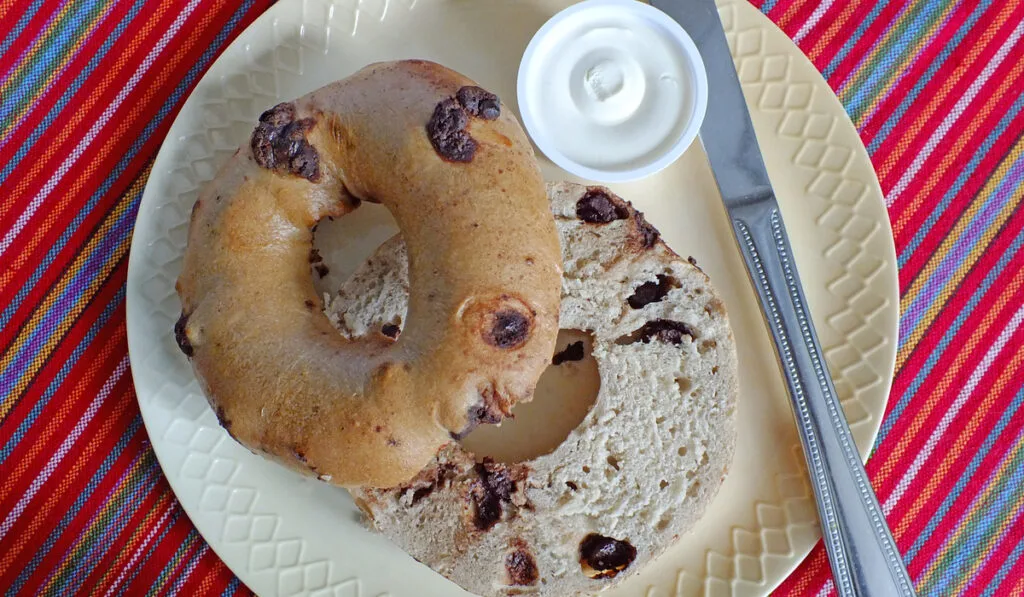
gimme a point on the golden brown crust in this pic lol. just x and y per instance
(370, 412)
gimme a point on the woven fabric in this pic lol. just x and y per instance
(88, 89)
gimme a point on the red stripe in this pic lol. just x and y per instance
(56, 88)
(862, 48)
(54, 500)
(900, 148)
(953, 308)
(906, 223)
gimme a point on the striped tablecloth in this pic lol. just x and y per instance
(88, 89)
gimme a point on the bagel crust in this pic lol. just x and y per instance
(459, 176)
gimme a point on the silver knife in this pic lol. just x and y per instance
(864, 557)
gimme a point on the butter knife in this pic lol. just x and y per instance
(864, 557)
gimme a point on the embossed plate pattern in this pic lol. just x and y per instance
(286, 535)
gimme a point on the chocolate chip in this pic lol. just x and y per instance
(309, 304)
(572, 486)
(390, 330)
(447, 132)
(422, 492)
(598, 207)
(521, 567)
(279, 143)
(692, 261)
(652, 292)
(648, 234)
(605, 556)
(321, 269)
(181, 337)
(572, 352)
(665, 330)
(492, 487)
(314, 256)
(509, 330)
(487, 411)
(479, 102)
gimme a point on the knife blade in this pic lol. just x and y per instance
(864, 557)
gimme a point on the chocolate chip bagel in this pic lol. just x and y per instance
(633, 476)
(459, 176)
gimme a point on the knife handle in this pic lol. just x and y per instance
(864, 557)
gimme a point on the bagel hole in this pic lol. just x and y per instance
(346, 242)
(565, 394)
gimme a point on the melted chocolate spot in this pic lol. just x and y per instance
(181, 337)
(510, 329)
(692, 261)
(521, 567)
(598, 207)
(447, 132)
(486, 412)
(651, 292)
(390, 330)
(665, 330)
(573, 352)
(492, 487)
(321, 269)
(479, 102)
(605, 555)
(648, 234)
(572, 486)
(279, 143)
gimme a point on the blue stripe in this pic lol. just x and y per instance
(170, 565)
(969, 239)
(57, 45)
(830, 69)
(30, 11)
(76, 508)
(97, 546)
(69, 92)
(887, 60)
(940, 208)
(187, 569)
(175, 515)
(952, 333)
(122, 165)
(897, 115)
(1004, 570)
(768, 5)
(965, 478)
(993, 509)
(112, 307)
(234, 582)
(117, 236)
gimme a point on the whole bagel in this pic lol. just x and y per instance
(459, 176)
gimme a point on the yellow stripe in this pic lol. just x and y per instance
(924, 277)
(69, 317)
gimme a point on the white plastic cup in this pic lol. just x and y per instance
(615, 88)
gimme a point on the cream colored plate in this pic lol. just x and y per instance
(285, 535)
